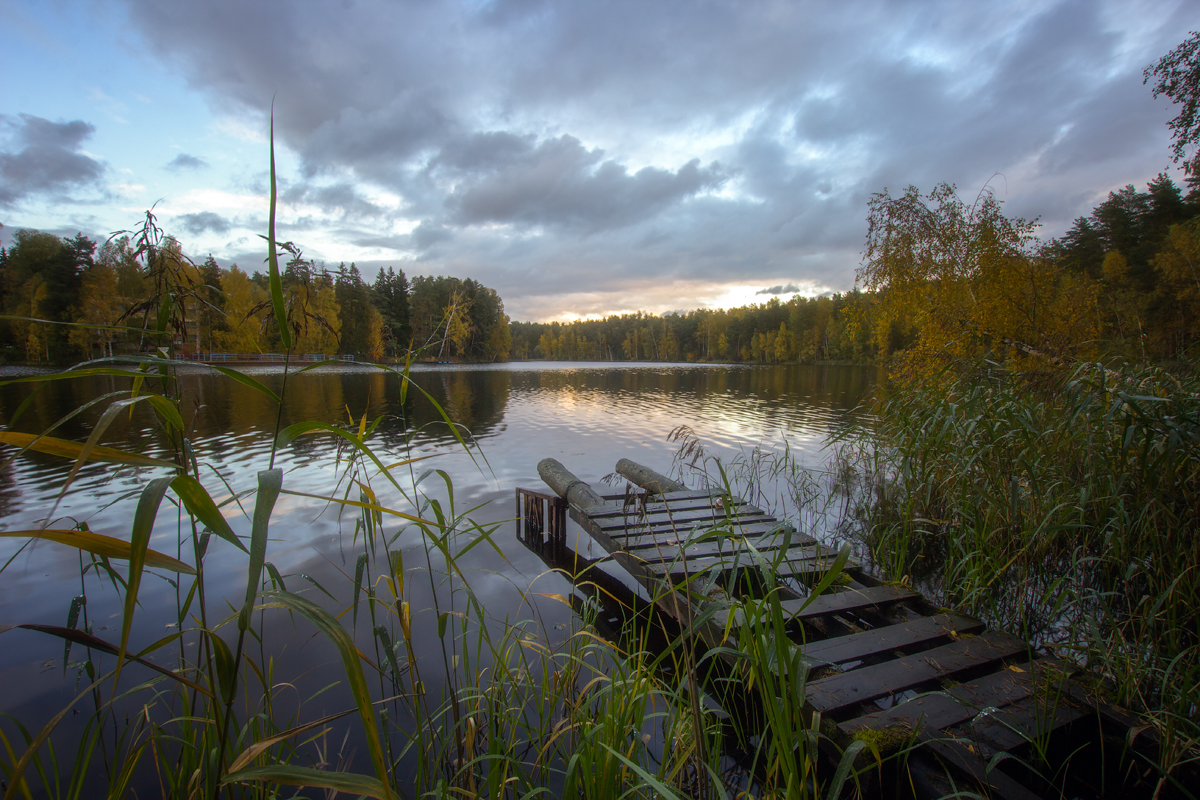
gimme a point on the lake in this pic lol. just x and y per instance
(585, 415)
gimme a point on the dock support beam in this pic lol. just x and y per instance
(567, 486)
(647, 478)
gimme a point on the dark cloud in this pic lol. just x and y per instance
(44, 157)
(340, 198)
(562, 183)
(184, 161)
(203, 221)
(791, 288)
(519, 130)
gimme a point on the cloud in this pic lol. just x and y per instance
(342, 198)
(184, 161)
(204, 221)
(791, 288)
(562, 149)
(45, 158)
(561, 183)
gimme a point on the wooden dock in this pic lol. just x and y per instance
(977, 708)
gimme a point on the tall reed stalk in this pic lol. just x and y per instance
(1063, 507)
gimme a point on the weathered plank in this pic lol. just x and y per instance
(1032, 718)
(858, 646)
(960, 703)
(804, 559)
(641, 537)
(705, 509)
(672, 548)
(961, 756)
(846, 601)
(684, 525)
(879, 680)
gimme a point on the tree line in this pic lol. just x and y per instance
(941, 276)
(67, 299)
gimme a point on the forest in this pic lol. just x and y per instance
(69, 299)
(1123, 282)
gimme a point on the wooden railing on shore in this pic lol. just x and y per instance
(256, 358)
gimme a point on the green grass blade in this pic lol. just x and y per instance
(360, 504)
(247, 381)
(74, 373)
(139, 540)
(289, 434)
(269, 483)
(333, 630)
(75, 636)
(276, 283)
(292, 775)
(226, 669)
(65, 448)
(258, 748)
(200, 505)
(101, 545)
(16, 776)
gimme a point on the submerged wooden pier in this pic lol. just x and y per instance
(977, 709)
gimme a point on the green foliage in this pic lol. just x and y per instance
(1177, 75)
(808, 330)
(1062, 507)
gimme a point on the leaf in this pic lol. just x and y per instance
(68, 449)
(269, 483)
(360, 504)
(276, 284)
(226, 668)
(143, 526)
(85, 639)
(199, 504)
(105, 546)
(351, 660)
(16, 775)
(292, 775)
(291, 432)
(255, 750)
(246, 380)
(73, 373)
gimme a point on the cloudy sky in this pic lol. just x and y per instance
(581, 157)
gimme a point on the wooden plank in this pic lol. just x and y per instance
(670, 548)
(857, 646)
(956, 754)
(811, 557)
(845, 601)
(671, 551)
(958, 704)
(870, 683)
(1025, 720)
(640, 537)
(675, 500)
(683, 520)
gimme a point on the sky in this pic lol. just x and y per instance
(581, 157)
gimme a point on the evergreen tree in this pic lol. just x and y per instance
(391, 296)
(353, 298)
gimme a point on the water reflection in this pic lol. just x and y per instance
(587, 416)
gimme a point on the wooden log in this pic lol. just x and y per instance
(566, 485)
(647, 478)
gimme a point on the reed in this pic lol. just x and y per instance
(489, 708)
(1063, 507)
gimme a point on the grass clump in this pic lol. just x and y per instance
(1061, 506)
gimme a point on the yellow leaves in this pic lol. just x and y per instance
(101, 545)
(969, 280)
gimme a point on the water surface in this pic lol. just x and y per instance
(586, 415)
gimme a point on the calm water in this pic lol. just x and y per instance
(585, 415)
